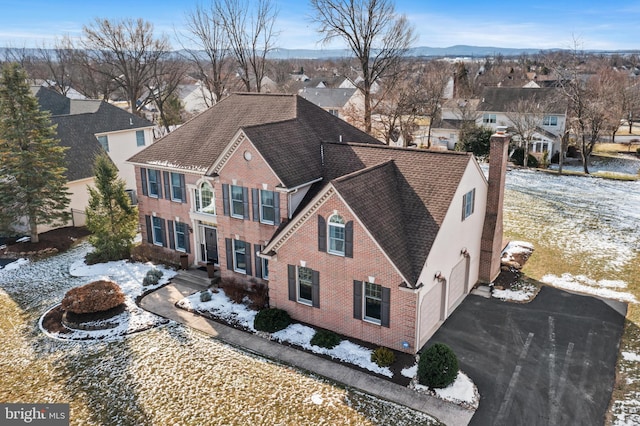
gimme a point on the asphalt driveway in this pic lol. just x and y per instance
(548, 362)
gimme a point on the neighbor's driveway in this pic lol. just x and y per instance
(548, 362)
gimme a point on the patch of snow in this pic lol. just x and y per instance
(15, 265)
(630, 356)
(524, 293)
(221, 306)
(410, 372)
(317, 399)
(23, 240)
(516, 247)
(461, 390)
(582, 284)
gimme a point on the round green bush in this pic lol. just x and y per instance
(325, 339)
(271, 320)
(383, 357)
(438, 366)
(518, 158)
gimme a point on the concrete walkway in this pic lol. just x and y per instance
(162, 302)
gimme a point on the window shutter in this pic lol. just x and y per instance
(247, 253)
(291, 270)
(225, 199)
(147, 219)
(315, 289)
(167, 185)
(348, 239)
(183, 189)
(322, 234)
(143, 181)
(229, 250)
(163, 232)
(258, 262)
(255, 203)
(276, 207)
(187, 243)
(245, 201)
(172, 241)
(386, 307)
(357, 299)
(473, 200)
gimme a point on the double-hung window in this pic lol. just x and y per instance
(488, 118)
(336, 235)
(139, 137)
(468, 201)
(176, 187)
(265, 268)
(104, 141)
(158, 232)
(240, 256)
(267, 207)
(181, 236)
(372, 302)
(153, 179)
(550, 120)
(237, 201)
(305, 284)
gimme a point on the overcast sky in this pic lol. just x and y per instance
(539, 24)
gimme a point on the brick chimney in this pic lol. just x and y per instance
(491, 244)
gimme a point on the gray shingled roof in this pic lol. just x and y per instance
(502, 99)
(415, 188)
(328, 98)
(198, 143)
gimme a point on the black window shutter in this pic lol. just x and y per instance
(348, 239)
(315, 289)
(143, 181)
(255, 204)
(245, 201)
(167, 183)
(322, 234)
(247, 253)
(357, 299)
(183, 189)
(229, 247)
(147, 219)
(276, 207)
(256, 250)
(225, 199)
(187, 243)
(163, 232)
(386, 307)
(291, 270)
(172, 241)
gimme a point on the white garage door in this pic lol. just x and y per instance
(457, 283)
(431, 312)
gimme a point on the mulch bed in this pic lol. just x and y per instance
(61, 239)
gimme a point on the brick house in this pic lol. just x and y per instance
(373, 242)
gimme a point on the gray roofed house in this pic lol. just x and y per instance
(345, 103)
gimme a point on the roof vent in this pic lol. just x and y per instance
(130, 121)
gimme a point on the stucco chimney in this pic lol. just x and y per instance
(491, 245)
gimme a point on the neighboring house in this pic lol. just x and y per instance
(373, 242)
(453, 115)
(88, 128)
(195, 97)
(497, 102)
(343, 103)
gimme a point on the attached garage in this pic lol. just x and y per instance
(431, 311)
(458, 283)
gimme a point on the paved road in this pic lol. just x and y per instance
(548, 362)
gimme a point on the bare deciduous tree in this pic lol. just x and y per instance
(526, 116)
(376, 35)
(163, 87)
(131, 49)
(61, 63)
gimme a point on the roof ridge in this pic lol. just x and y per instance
(357, 173)
(401, 148)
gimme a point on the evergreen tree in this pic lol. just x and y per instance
(475, 139)
(111, 218)
(33, 185)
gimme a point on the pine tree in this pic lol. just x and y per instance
(111, 218)
(33, 185)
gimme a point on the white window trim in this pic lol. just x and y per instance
(298, 298)
(199, 196)
(231, 202)
(235, 260)
(171, 187)
(489, 118)
(158, 183)
(364, 304)
(465, 204)
(153, 231)
(264, 262)
(337, 225)
(175, 235)
(144, 138)
(262, 220)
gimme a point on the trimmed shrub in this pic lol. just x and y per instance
(152, 277)
(438, 366)
(237, 290)
(383, 357)
(271, 320)
(97, 296)
(205, 296)
(518, 158)
(325, 339)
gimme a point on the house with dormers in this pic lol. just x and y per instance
(373, 242)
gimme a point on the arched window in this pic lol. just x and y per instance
(205, 202)
(336, 235)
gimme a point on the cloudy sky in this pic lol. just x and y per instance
(539, 24)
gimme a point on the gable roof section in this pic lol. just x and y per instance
(74, 133)
(198, 143)
(502, 99)
(424, 183)
(328, 98)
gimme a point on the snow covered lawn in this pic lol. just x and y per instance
(584, 284)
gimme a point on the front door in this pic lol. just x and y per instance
(210, 252)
